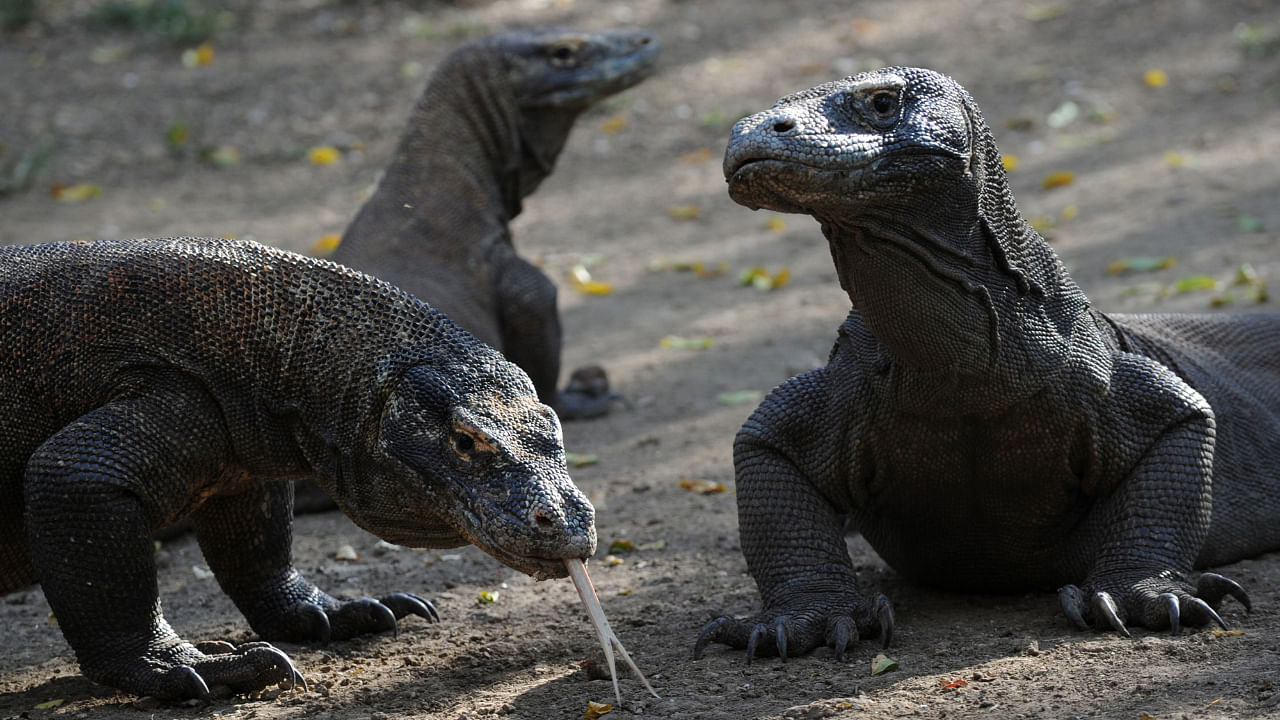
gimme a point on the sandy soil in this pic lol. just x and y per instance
(1187, 170)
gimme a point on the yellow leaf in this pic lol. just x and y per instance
(705, 487)
(50, 704)
(76, 193)
(1145, 716)
(1155, 78)
(776, 224)
(697, 156)
(684, 212)
(326, 244)
(1010, 162)
(613, 124)
(1058, 179)
(611, 560)
(198, 56)
(487, 598)
(1219, 632)
(1174, 160)
(626, 591)
(324, 155)
(580, 279)
(595, 710)
(1068, 213)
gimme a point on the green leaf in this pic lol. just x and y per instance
(1249, 223)
(621, 546)
(487, 598)
(573, 459)
(1194, 283)
(740, 397)
(883, 664)
(1246, 275)
(675, 342)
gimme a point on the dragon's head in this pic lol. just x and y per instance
(465, 453)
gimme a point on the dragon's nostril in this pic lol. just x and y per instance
(542, 520)
(781, 126)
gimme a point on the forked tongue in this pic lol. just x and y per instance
(608, 641)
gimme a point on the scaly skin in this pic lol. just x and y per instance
(148, 381)
(984, 427)
(486, 131)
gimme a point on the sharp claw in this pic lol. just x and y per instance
(843, 633)
(318, 620)
(756, 633)
(282, 662)
(884, 610)
(1213, 615)
(193, 686)
(710, 633)
(780, 630)
(1173, 609)
(1073, 606)
(403, 604)
(385, 617)
(1105, 606)
(1213, 587)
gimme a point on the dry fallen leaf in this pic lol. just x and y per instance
(595, 710)
(697, 156)
(75, 193)
(1141, 263)
(51, 704)
(675, 342)
(574, 459)
(198, 56)
(954, 684)
(1155, 78)
(706, 487)
(614, 124)
(1219, 632)
(1010, 162)
(346, 552)
(580, 279)
(776, 224)
(1061, 178)
(684, 212)
(324, 155)
(326, 244)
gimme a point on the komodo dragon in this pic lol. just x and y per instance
(983, 426)
(150, 380)
(486, 131)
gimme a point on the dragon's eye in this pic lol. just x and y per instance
(562, 52)
(884, 103)
(463, 444)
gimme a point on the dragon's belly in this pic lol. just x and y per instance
(978, 504)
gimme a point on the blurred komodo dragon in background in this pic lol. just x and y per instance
(147, 381)
(985, 427)
(486, 131)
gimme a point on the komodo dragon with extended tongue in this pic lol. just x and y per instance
(146, 381)
(985, 428)
(486, 131)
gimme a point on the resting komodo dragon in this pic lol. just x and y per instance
(486, 131)
(146, 381)
(983, 426)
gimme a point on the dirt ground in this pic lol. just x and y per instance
(1189, 169)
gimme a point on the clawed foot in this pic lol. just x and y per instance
(325, 618)
(199, 672)
(1166, 601)
(837, 621)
